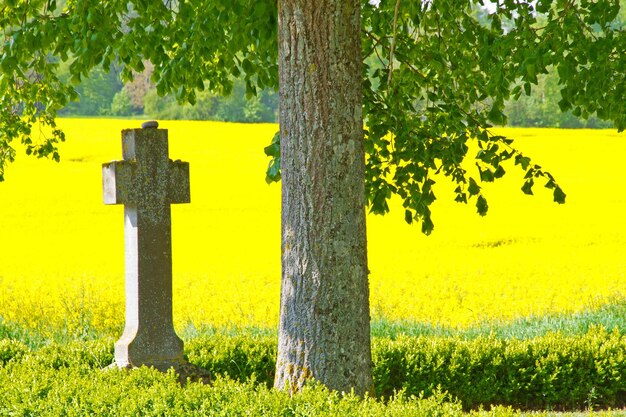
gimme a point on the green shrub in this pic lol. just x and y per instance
(11, 349)
(554, 371)
(68, 380)
(69, 391)
(85, 354)
(122, 104)
(237, 357)
(551, 372)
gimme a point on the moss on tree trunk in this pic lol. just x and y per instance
(324, 319)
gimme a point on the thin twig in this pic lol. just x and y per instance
(393, 41)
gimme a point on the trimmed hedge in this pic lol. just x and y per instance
(549, 372)
(41, 385)
(236, 357)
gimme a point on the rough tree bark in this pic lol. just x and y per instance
(324, 320)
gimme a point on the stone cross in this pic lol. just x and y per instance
(147, 182)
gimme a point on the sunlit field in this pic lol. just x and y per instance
(61, 249)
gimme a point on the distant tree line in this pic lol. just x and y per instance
(103, 94)
(541, 108)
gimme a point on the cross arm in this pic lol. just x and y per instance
(117, 182)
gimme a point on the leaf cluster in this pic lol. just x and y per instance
(193, 45)
(436, 77)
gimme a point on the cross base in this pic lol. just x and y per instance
(132, 351)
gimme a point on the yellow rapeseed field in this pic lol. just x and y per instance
(61, 249)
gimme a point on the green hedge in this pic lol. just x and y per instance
(11, 350)
(549, 372)
(236, 357)
(45, 383)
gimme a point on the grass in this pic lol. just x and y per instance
(609, 316)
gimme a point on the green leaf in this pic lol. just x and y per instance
(273, 173)
(379, 202)
(523, 161)
(496, 115)
(274, 148)
(473, 187)
(408, 216)
(499, 172)
(247, 66)
(191, 97)
(527, 188)
(8, 64)
(564, 105)
(543, 6)
(559, 195)
(250, 90)
(486, 175)
(481, 205)
(427, 223)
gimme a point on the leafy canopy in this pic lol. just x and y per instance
(437, 74)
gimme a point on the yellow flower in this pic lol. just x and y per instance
(62, 249)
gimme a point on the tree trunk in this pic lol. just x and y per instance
(324, 318)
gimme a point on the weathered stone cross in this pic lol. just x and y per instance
(147, 182)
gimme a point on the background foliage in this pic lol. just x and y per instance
(437, 77)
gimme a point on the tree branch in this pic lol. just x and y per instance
(393, 41)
